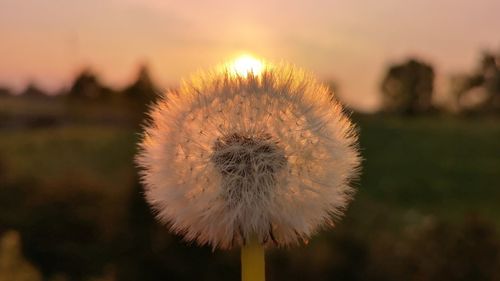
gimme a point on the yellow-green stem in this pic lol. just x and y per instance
(253, 261)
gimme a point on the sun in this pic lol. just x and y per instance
(245, 65)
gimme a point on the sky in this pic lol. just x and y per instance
(350, 42)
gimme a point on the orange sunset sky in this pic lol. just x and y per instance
(349, 41)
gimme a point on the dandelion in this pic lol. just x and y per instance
(237, 159)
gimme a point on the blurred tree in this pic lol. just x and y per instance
(480, 91)
(32, 91)
(407, 88)
(88, 86)
(5, 92)
(143, 91)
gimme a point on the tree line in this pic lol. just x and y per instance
(407, 88)
(88, 86)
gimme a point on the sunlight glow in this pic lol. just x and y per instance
(245, 65)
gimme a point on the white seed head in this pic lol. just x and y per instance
(228, 157)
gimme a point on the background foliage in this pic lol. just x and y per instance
(71, 206)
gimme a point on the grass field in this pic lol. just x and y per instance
(412, 167)
(415, 171)
(432, 166)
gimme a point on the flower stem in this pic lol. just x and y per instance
(253, 261)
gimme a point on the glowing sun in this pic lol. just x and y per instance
(247, 64)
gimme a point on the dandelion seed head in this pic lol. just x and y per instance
(228, 157)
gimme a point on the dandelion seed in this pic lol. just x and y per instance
(268, 155)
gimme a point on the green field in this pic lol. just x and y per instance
(417, 173)
(429, 166)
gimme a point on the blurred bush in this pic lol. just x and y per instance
(479, 92)
(407, 88)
